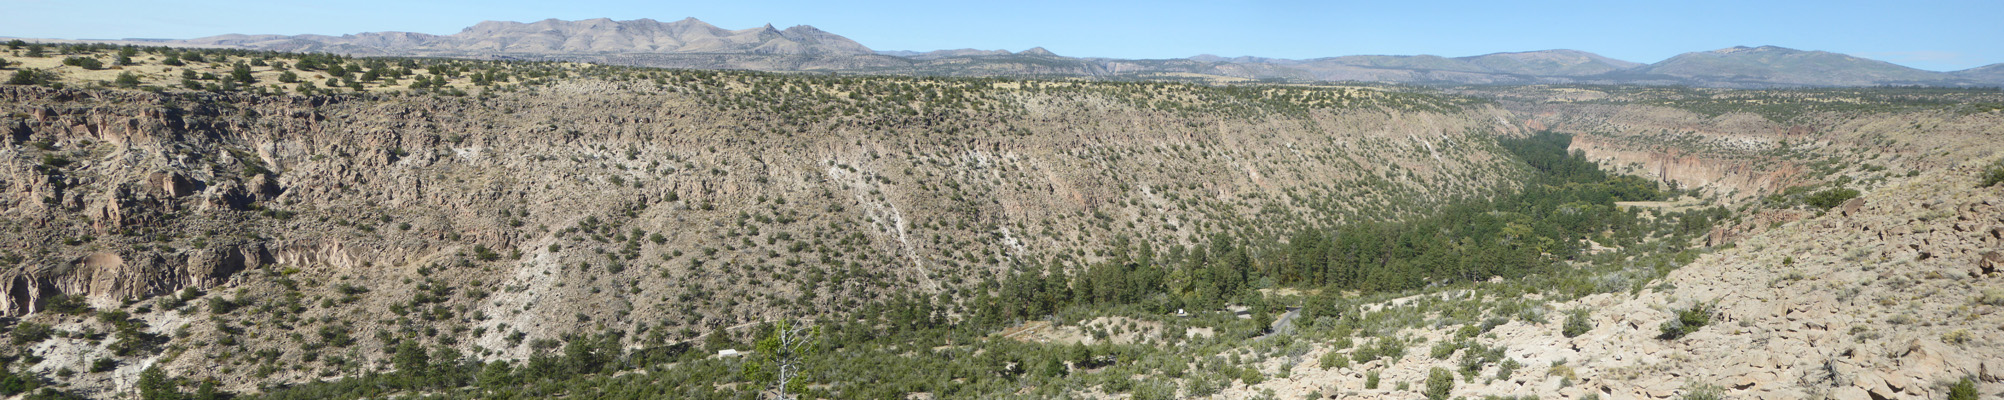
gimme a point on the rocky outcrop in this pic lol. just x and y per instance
(1741, 156)
(1686, 169)
(107, 279)
(630, 203)
(1878, 301)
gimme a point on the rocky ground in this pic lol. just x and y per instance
(1894, 295)
(315, 229)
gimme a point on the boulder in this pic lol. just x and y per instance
(1851, 207)
(172, 183)
(1850, 393)
(263, 187)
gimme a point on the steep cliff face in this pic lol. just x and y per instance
(693, 204)
(1740, 156)
(1688, 169)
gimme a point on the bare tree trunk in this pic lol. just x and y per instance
(792, 340)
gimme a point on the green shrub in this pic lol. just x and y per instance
(219, 305)
(1687, 321)
(1251, 376)
(1333, 359)
(1371, 380)
(1578, 322)
(1439, 381)
(84, 62)
(29, 333)
(1386, 347)
(1506, 368)
(68, 304)
(1443, 349)
(1831, 198)
(482, 253)
(1964, 389)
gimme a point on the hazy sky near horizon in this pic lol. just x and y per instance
(1934, 35)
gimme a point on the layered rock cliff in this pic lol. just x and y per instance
(692, 201)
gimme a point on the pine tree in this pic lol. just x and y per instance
(411, 359)
(155, 385)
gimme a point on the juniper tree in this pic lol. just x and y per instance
(242, 74)
(127, 80)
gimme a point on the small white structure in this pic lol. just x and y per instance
(1180, 313)
(728, 353)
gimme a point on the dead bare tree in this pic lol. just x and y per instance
(781, 355)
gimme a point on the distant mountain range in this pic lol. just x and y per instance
(690, 43)
(552, 36)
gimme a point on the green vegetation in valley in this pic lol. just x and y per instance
(947, 347)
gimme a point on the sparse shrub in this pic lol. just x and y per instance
(1698, 391)
(1371, 380)
(482, 253)
(1956, 337)
(1993, 175)
(1991, 297)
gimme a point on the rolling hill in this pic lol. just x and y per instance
(691, 43)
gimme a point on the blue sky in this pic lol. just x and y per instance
(1934, 35)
